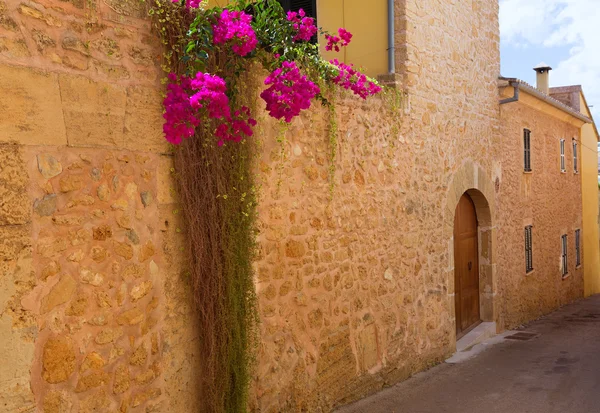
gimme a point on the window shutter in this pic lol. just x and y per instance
(527, 150)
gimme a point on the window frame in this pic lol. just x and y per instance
(575, 157)
(527, 150)
(564, 255)
(577, 248)
(528, 249)
(563, 163)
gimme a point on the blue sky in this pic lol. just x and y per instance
(565, 34)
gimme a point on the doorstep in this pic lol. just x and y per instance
(480, 333)
(476, 341)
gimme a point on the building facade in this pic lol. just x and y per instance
(573, 97)
(372, 263)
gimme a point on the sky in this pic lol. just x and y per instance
(565, 34)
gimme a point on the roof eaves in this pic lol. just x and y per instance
(548, 99)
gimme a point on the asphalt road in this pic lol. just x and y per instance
(557, 371)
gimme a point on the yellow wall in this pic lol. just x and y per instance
(368, 49)
(589, 189)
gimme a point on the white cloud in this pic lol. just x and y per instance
(552, 23)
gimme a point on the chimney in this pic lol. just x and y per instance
(543, 77)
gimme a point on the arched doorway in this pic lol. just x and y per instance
(473, 181)
(466, 266)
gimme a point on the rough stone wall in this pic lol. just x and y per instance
(355, 292)
(545, 198)
(94, 311)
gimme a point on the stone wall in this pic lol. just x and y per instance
(95, 313)
(356, 292)
(545, 198)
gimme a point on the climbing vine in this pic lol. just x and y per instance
(214, 57)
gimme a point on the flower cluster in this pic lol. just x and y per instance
(235, 26)
(335, 42)
(210, 95)
(350, 78)
(304, 26)
(180, 117)
(187, 97)
(237, 127)
(190, 4)
(290, 92)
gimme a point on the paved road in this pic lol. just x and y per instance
(556, 372)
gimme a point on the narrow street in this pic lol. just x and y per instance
(556, 371)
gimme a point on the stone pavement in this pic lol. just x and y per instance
(556, 371)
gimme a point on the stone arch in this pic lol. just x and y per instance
(471, 179)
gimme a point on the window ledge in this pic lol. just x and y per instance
(578, 267)
(527, 274)
(527, 172)
(566, 276)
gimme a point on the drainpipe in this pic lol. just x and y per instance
(391, 41)
(515, 98)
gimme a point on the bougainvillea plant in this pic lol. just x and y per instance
(220, 43)
(211, 55)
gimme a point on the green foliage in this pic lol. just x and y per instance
(217, 189)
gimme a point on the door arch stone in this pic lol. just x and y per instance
(472, 180)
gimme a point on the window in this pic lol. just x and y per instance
(577, 247)
(309, 6)
(527, 150)
(564, 258)
(528, 249)
(575, 167)
(563, 168)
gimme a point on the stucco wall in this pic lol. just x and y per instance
(545, 198)
(94, 313)
(367, 23)
(589, 193)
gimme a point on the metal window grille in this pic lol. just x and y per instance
(575, 167)
(563, 168)
(564, 258)
(527, 150)
(578, 247)
(528, 249)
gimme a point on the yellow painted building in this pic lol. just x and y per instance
(368, 50)
(574, 97)
(369, 47)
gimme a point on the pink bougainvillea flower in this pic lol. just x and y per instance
(190, 4)
(235, 27)
(210, 95)
(236, 127)
(180, 117)
(335, 42)
(289, 93)
(204, 95)
(351, 79)
(304, 26)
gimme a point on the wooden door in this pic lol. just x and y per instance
(466, 266)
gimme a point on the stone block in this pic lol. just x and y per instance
(368, 347)
(15, 207)
(58, 359)
(144, 121)
(61, 293)
(13, 48)
(94, 111)
(31, 107)
(165, 180)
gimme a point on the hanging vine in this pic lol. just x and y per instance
(211, 56)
